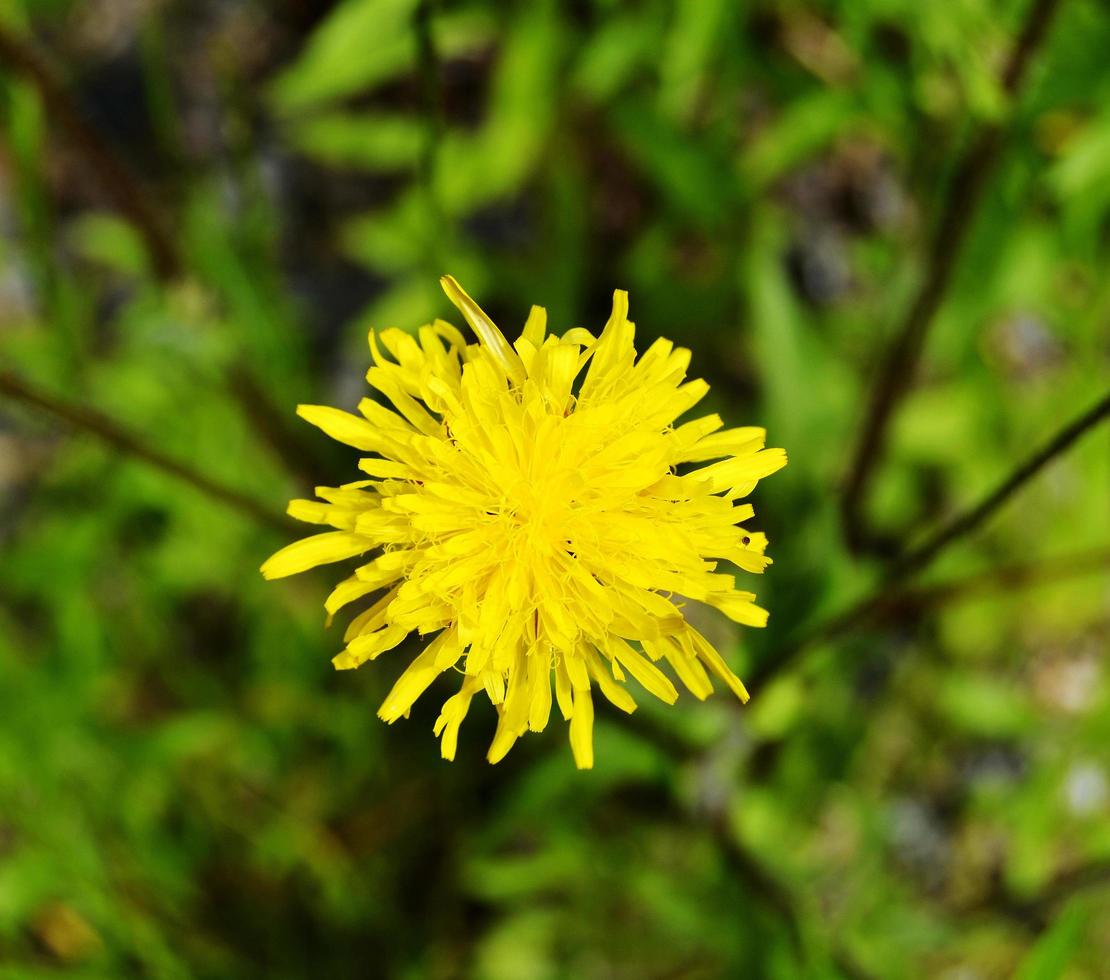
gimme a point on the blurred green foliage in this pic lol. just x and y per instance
(187, 789)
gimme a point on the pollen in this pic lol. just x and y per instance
(536, 514)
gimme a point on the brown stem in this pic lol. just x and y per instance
(969, 520)
(887, 594)
(887, 602)
(1063, 886)
(107, 430)
(899, 364)
(301, 458)
(775, 896)
(1035, 913)
(883, 605)
(112, 174)
(1004, 578)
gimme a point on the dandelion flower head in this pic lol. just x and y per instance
(539, 508)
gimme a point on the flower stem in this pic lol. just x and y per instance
(109, 431)
(899, 364)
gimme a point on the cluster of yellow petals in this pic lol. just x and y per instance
(543, 522)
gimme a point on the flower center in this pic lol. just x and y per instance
(539, 513)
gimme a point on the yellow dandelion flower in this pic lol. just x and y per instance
(545, 528)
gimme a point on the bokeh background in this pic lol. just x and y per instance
(203, 207)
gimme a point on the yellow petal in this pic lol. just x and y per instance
(651, 678)
(414, 681)
(320, 549)
(452, 715)
(492, 338)
(582, 730)
(740, 608)
(347, 591)
(685, 664)
(535, 327)
(731, 442)
(716, 663)
(503, 739)
(341, 426)
(539, 682)
(562, 690)
(609, 687)
(369, 646)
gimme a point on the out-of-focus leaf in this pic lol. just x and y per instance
(776, 335)
(692, 177)
(474, 168)
(777, 708)
(937, 419)
(1051, 954)
(983, 706)
(393, 240)
(360, 43)
(105, 238)
(613, 54)
(1081, 177)
(694, 34)
(362, 141)
(520, 947)
(804, 128)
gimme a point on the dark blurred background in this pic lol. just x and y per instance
(883, 228)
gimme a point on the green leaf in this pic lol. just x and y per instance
(984, 705)
(364, 142)
(804, 128)
(473, 169)
(360, 43)
(112, 241)
(611, 56)
(1051, 954)
(693, 178)
(696, 32)
(1084, 167)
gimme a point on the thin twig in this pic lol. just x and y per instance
(888, 594)
(107, 430)
(302, 458)
(1065, 885)
(1003, 578)
(970, 519)
(1036, 912)
(674, 809)
(897, 371)
(114, 176)
(881, 606)
(776, 896)
(839, 623)
(888, 600)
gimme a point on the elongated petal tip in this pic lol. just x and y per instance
(486, 330)
(345, 661)
(582, 730)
